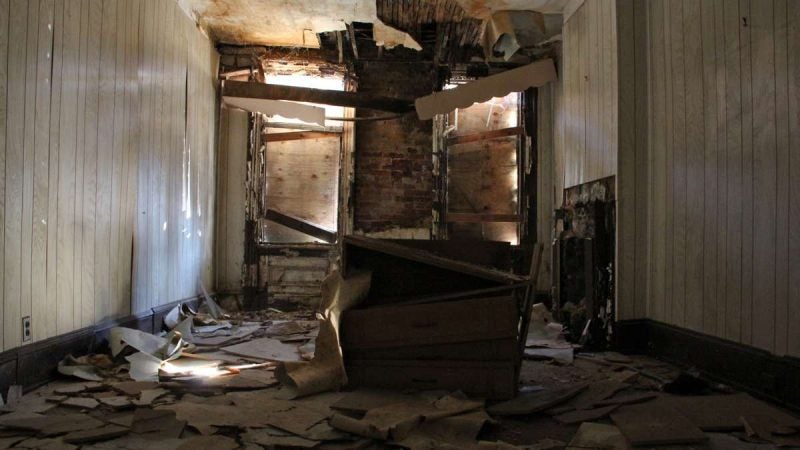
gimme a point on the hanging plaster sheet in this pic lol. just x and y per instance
(500, 85)
(291, 110)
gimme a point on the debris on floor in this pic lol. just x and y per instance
(437, 370)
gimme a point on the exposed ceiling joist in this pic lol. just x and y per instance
(246, 89)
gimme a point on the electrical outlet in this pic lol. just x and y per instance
(26, 329)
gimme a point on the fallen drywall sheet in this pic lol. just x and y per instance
(290, 110)
(326, 371)
(500, 85)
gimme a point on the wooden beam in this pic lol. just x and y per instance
(481, 218)
(303, 127)
(339, 46)
(247, 89)
(485, 135)
(298, 135)
(352, 34)
(301, 225)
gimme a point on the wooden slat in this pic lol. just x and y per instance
(793, 78)
(50, 320)
(746, 276)
(593, 77)
(41, 169)
(710, 199)
(105, 147)
(694, 160)
(67, 151)
(246, 89)
(722, 196)
(781, 179)
(485, 135)
(116, 302)
(763, 181)
(669, 162)
(482, 218)
(29, 149)
(643, 186)
(679, 174)
(4, 17)
(658, 162)
(15, 141)
(298, 135)
(734, 170)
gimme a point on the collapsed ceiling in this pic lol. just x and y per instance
(288, 23)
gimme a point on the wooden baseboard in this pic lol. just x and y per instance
(772, 377)
(35, 364)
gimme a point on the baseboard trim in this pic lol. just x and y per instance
(35, 364)
(776, 378)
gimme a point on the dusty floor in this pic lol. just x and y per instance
(250, 409)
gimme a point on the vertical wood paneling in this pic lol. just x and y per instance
(709, 186)
(781, 179)
(693, 159)
(115, 300)
(764, 182)
(105, 149)
(78, 107)
(49, 323)
(586, 109)
(642, 182)
(722, 171)
(722, 97)
(658, 160)
(4, 16)
(793, 78)
(80, 222)
(88, 158)
(41, 170)
(733, 119)
(29, 148)
(14, 175)
(669, 187)
(679, 168)
(745, 24)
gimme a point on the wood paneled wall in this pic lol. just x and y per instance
(722, 150)
(107, 136)
(586, 101)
